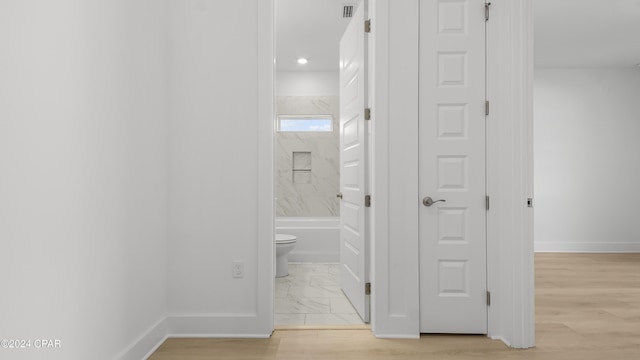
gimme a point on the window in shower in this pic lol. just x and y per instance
(305, 123)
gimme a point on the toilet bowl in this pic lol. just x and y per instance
(284, 244)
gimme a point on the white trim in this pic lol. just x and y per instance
(500, 338)
(146, 343)
(264, 323)
(396, 336)
(153, 349)
(218, 336)
(509, 168)
(212, 315)
(370, 99)
(394, 214)
(587, 247)
(215, 325)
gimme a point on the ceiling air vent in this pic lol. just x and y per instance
(347, 11)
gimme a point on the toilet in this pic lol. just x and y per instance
(284, 244)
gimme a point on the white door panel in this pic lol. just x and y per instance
(452, 167)
(353, 145)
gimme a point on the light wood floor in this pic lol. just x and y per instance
(587, 307)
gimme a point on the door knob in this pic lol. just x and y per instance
(339, 196)
(428, 201)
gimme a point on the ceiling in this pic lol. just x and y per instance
(587, 33)
(310, 29)
(568, 33)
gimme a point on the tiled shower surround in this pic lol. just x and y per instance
(314, 192)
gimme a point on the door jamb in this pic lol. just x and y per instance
(266, 100)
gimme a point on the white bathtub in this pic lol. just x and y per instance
(318, 238)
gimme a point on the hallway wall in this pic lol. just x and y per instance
(221, 179)
(587, 126)
(83, 177)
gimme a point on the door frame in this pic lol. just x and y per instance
(510, 255)
(354, 286)
(394, 233)
(393, 64)
(267, 101)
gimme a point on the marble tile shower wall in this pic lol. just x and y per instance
(316, 196)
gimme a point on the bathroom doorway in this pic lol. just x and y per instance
(308, 290)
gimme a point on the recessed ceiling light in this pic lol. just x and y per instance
(302, 61)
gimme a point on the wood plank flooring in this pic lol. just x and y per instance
(587, 307)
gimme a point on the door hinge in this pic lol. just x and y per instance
(367, 114)
(486, 108)
(486, 11)
(367, 26)
(488, 298)
(486, 198)
(367, 288)
(367, 201)
(530, 202)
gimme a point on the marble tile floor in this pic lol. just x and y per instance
(311, 295)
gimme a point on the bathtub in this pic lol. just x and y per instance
(318, 238)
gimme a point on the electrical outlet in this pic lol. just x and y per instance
(237, 270)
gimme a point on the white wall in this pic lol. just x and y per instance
(82, 177)
(587, 172)
(221, 158)
(307, 83)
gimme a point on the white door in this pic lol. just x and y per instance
(353, 144)
(452, 167)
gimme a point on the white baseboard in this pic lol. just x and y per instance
(147, 343)
(195, 326)
(217, 326)
(397, 336)
(587, 247)
(500, 338)
(219, 336)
